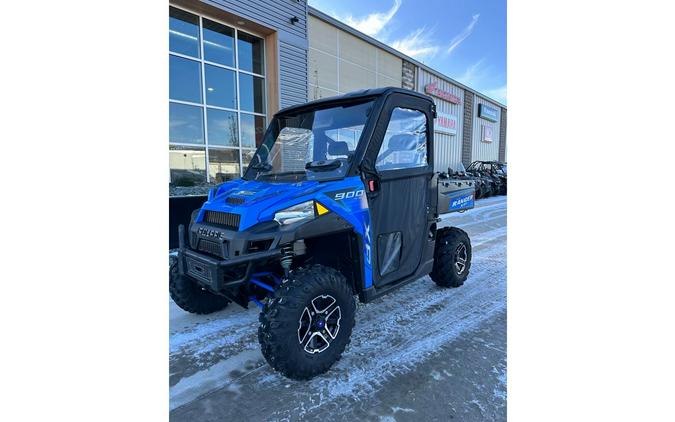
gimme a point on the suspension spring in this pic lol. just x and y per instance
(286, 259)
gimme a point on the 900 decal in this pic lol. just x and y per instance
(349, 193)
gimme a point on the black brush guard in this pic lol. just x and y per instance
(211, 272)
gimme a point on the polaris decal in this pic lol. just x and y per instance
(464, 201)
(207, 232)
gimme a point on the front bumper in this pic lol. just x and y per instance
(241, 254)
(220, 275)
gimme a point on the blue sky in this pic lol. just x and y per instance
(464, 39)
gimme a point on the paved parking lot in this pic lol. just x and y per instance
(419, 353)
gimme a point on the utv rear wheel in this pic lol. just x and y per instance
(452, 257)
(307, 324)
(192, 298)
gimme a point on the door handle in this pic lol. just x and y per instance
(373, 185)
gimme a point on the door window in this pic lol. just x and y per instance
(405, 142)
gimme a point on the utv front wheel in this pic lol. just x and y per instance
(192, 298)
(308, 322)
(452, 257)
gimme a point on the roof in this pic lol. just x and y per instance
(363, 93)
(331, 20)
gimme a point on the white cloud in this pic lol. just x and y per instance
(417, 44)
(472, 73)
(374, 23)
(463, 35)
(498, 94)
(477, 75)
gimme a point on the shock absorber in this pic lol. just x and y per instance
(286, 259)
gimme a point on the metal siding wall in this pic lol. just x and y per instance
(483, 150)
(447, 148)
(292, 74)
(277, 14)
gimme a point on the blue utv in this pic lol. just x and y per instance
(340, 200)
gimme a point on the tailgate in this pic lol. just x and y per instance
(455, 195)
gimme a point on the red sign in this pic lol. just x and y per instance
(433, 89)
(445, 123)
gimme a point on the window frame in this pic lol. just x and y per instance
(204, 106)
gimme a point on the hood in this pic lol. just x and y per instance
(258, 201)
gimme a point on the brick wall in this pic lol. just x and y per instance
(502, 136)
(467, 131)
(408, 75)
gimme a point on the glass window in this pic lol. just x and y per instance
(220, 88)
(222, 127)
(251, 89)
(246, 157)
(187, 165)
(223, 165)
(252, 130)
(405, 142)
(216, 98)
(184, 80)
(218, 43)
(250, 52)
(348, 135)
(183, 32)
(186, 124)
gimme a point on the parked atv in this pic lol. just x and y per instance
(500, 172)
(339, 200)
(492, 174)
(460, 173)
(484, 184)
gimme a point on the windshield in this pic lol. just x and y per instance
(460, 168)
(311, 145)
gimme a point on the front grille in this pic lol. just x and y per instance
(212, 248)
(225, 219)
(235, 200)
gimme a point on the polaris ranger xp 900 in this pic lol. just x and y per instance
(340, 200)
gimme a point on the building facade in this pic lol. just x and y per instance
(340, 62)
(448, 126)
(234, 63)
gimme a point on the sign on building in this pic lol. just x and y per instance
(445, 123)
(488, 113)
(486, 133)
(433, 89)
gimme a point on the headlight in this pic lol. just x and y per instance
(299, 212)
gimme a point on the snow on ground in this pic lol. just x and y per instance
(216, 367)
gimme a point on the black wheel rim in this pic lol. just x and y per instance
(319, 324)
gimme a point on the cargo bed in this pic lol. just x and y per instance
(455, 194)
